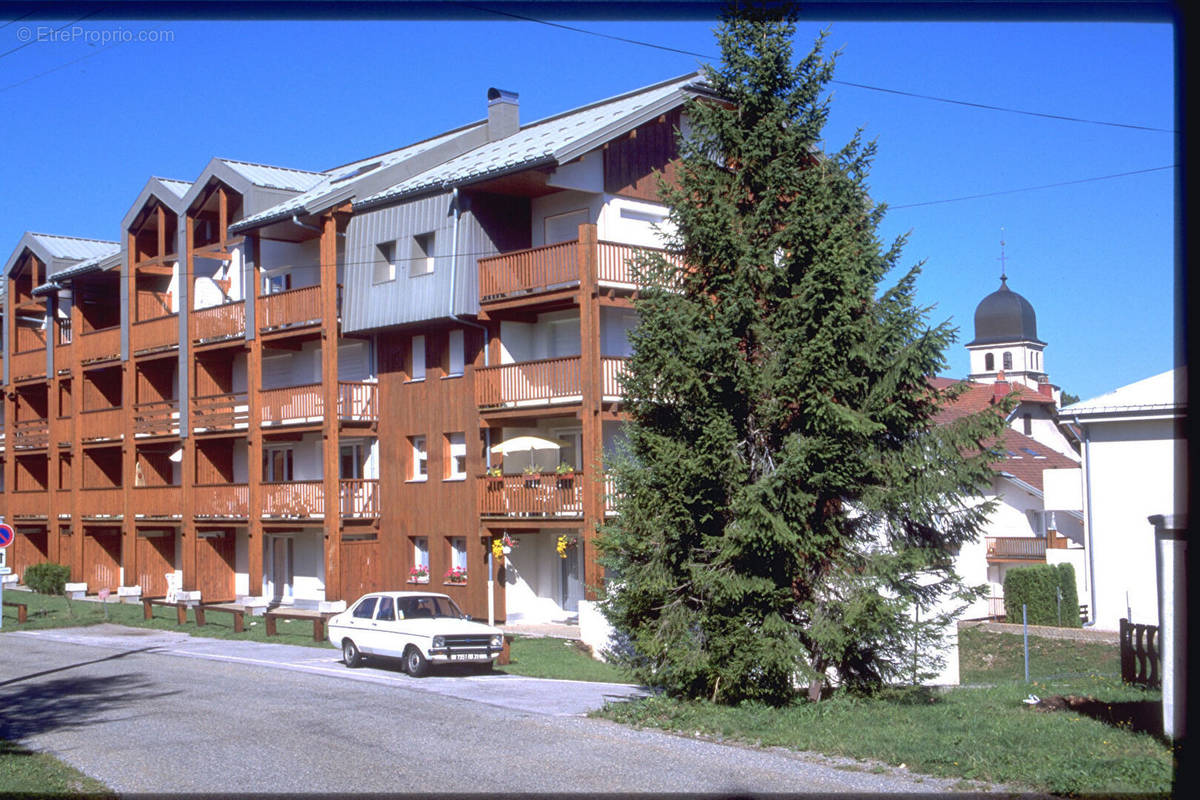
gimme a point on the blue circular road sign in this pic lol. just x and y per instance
(6, 535)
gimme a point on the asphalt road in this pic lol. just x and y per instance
(161, 712)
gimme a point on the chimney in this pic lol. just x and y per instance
(1046, 389)
(1000, 390)
(503, 117)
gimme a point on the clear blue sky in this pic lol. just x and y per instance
(87, 123)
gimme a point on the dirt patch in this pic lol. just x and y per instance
(1139, 716)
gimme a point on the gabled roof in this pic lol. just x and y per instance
(180, 188)
(58, 252)
(979, 396)
(550, 141)
(1026, 458)
(1159, 395)
(59, 279)
(268, 177)
(339, 183)
(168, 191)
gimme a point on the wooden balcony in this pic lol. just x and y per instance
(544, 494)
(296, 405)
(1016, 548)
(161, 333)
(159, 418)
(217, 323)
(358, 402)
(221, 500)
(101, 345)
(294, 500)
(157, 502)
(30, 364)
(292, 405)
(28, 505)
(30, 433)
(108, 503)
(295, 308)
(107, 424)
(360, 498)
(546, 381)
(543, 269)
(220, 412)
(306, 499)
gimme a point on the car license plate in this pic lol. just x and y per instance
(468, 656)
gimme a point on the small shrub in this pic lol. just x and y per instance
(47, 578)
(1037, 588)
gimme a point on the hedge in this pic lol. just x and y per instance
(1036, 588)
(47, 578)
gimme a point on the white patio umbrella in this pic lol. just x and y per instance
(522, 445)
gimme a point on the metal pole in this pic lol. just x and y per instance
(1025, 629)
(1058, 599)
(491, 593)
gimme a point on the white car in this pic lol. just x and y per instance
(420, 628)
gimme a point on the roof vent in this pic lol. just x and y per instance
(503, 117)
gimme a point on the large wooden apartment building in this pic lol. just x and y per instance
(283, 386)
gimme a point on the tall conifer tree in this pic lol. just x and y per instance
(788, 509)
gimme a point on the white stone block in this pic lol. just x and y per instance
(191, 598)
(75, 591)
(331, 606)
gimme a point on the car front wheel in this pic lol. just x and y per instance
(351, 656)
(415, 664)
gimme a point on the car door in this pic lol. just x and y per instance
(387, 638)
(361, 624)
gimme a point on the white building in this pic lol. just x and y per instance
(1134, 466)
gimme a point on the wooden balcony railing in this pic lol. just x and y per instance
(157, 502)
(527, 382)
(358, 402)
(290, 309)
(102, 425)
(541, 382)
(28, 504)
(101, 345)
(29, 364)
(611, 368)
(291, 405)
(154, 334)
(544, 494)
(540, 269)
(30, 433)
(526, 271)
(101, 503)
(220, 412)
(294, 500)
(360, 498)
(219, 322)
(64, 331)
(221, 500)
(160, 418)
(1016, 548)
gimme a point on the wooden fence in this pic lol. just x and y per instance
(1139, 655)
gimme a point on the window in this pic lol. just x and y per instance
(1008, 361)
(273, 284)
(1027, 421)
(385, 262)
(1035, 522)
(420, 458)
(458, 552)
(353, 461)
(989, 362)
(387, 609)
(416, 370)
(456, 356)
(422, 255)
(419, 571)
(456, 456)
(366, 609)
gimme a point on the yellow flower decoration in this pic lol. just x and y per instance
(497, 548)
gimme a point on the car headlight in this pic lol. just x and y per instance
(439, 641)
(498, 640)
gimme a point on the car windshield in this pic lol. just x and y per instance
(428, 607)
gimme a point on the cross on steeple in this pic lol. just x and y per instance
(1003, 269)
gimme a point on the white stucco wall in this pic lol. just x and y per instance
(1132, 470)
(532, 579)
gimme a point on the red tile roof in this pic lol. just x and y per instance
(1026, 458)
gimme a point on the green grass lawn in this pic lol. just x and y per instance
(27, 774)
(980, 735)
(557, 658)
(987, 657)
